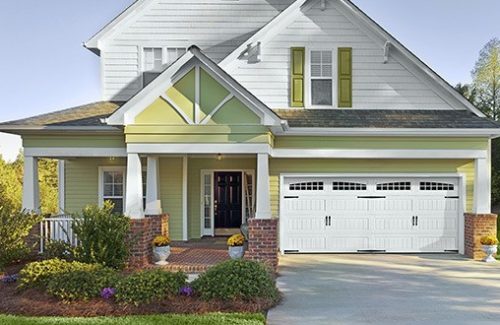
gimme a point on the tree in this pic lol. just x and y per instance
(486, 79)
(467, 91)
(11, 184)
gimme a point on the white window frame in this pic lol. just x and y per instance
(308, 77)
(102, 170)
(143, 58)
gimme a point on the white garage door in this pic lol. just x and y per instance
(392, 214)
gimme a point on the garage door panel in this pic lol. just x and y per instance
(306, 223)
(312, 206)
(393, 244)
(348, 244)
(395, 214)
(350, 204)
(306, 243)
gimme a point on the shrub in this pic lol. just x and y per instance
(236, 240)
(14, 228)
(236, 279)
(489, 240)
(38, 274)
(81, 284)
(148, 286)
(58, 249)
(103, 236)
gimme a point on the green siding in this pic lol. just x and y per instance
(211, 94)
(234, 112)
(183, 93)
(171, 193)
(82, 186)
(380, 143)
(373, 166)
(195, 165)
(78, 141)
(82, 181)
(345, 77)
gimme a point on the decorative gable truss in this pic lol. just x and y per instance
(195, 91)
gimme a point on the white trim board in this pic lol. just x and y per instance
(199, 148)
(491, 133)
(379, 153)
(74, 152)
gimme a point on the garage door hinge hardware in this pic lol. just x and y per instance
(291, 197)
(328, 221)
(371, 197)
(451, 197)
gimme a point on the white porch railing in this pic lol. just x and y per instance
(57, 229)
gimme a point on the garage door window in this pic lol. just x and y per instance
(307, 186)
(435, 186)
(348, 186)
(394, 186)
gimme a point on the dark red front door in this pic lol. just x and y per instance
(228, 207)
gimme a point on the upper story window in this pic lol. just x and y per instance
(321, 73)
(154, 59)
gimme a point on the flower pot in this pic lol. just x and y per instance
(236, 252)
(161, 253)
(490, 250)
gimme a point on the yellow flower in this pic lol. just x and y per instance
(160, 241)
(489, 240)
(236, 240)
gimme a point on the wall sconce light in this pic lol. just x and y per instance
(219, 157)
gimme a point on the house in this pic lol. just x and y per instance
(303, 119)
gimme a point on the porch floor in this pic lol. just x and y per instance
(196, 256)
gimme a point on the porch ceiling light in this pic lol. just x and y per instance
(219, 157)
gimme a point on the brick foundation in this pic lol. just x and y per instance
(142, 233)
(263, 241)
(477, 226)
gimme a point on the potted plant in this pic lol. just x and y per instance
(161, 249)
(236, 249)
(490, 244)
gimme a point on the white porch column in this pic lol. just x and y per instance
(482, 186)
(134, 196)
(153, 203)
(61, 184)
(184, 197)
(31, 192)
(263, 209)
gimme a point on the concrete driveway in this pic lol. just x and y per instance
(383, 289)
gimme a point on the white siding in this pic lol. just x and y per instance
(375, 84)
(216, 26)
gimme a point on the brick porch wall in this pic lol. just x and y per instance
(142, 233)
(263, 241)
(477, 226)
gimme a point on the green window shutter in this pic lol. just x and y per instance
(297, 77)
(345, 76)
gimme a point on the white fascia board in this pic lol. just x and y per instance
(95, 41)
(379, 153)
(8, 128)
(382, 36)
(126, 114)
(199, 148)
(266, 33)
(60, 152)
(491, 133)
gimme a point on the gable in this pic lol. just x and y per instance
(217, 105)
(376, 84)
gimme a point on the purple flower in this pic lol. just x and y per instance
(186, 291)
(108, 293)
(10, 278)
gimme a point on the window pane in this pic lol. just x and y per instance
(315, 70)
(118, 190)
(321, 92)
(118, 205)
(108, 177)
(108, 190)
(326, 70)
(118, 177)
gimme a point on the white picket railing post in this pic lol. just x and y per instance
(58, 228)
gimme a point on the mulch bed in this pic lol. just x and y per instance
(36, 303)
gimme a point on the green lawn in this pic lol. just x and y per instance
(208, 319)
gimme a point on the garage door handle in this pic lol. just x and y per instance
(371, 197)
(328, 221)
(291, 197)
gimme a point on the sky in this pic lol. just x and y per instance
(44, 66)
